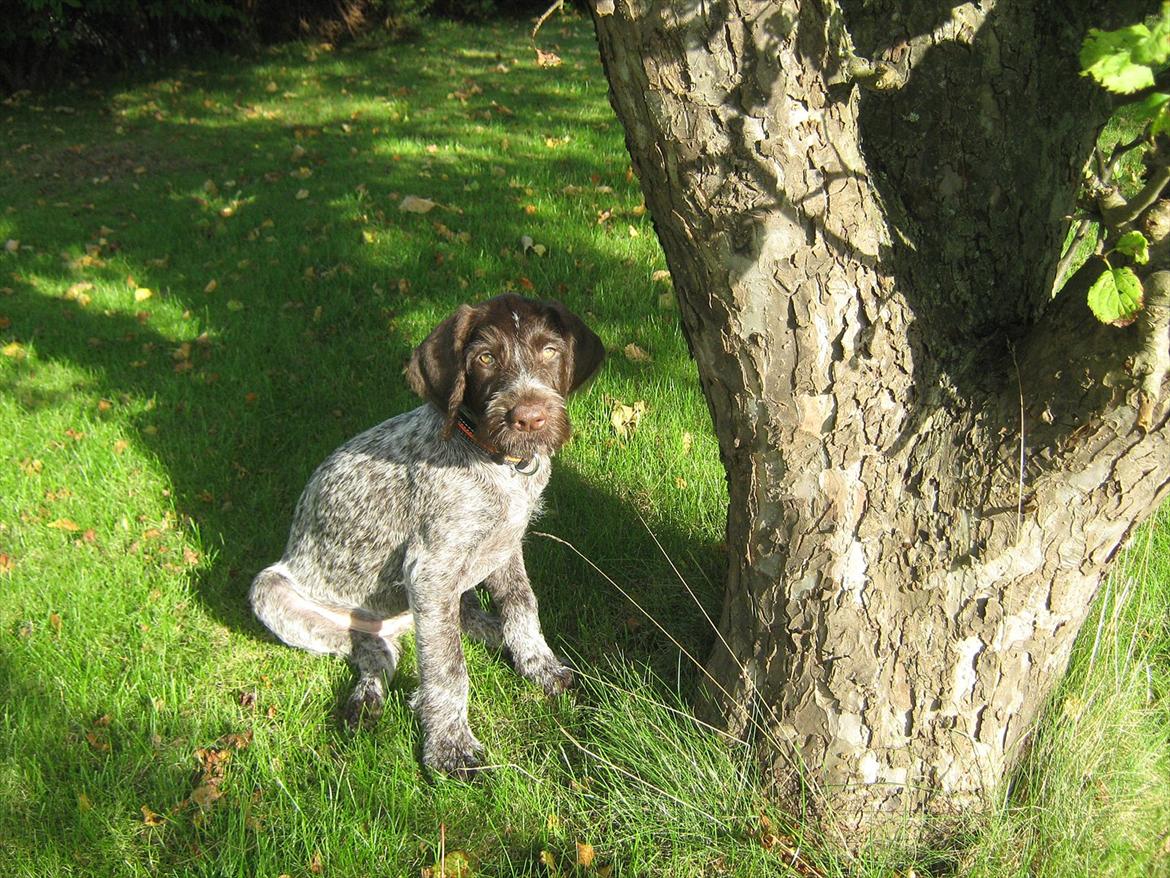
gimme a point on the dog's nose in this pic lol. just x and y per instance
(528, 417)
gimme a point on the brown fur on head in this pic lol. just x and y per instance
(510, 361)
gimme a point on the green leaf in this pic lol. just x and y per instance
(1134, 244)
(1109, 57)
(1116, 296)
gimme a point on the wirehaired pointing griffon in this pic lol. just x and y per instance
(399, 525)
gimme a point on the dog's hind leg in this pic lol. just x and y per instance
(477, 624)
(366, 640)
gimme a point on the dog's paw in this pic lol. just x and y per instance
(454, 754)
(364, 707)
(548, 673)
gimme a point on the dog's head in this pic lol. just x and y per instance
(511, 362)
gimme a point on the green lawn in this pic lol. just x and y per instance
(208, 285)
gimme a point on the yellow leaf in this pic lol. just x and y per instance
(15, 350)
(584, 854)
(625, 418)
(65, 524)
(142, 294)
(548, 860)
(150, 818)
(211, 287)
(83, 802)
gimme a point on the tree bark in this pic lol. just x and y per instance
(930, 460)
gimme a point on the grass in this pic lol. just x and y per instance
(212, 286)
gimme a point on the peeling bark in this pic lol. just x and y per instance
(930, 463)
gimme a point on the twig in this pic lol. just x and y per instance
(559, 4)
(1020, 477)
(1084, 226)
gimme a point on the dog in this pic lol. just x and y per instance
(400, 524)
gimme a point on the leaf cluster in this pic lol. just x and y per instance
(1131, 61)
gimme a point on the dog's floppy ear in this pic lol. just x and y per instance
(585, 351)
(436, 369)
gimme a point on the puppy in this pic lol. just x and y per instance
(399, 525)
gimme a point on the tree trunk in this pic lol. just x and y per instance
(930, 460)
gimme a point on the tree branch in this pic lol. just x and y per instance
(1116, 211)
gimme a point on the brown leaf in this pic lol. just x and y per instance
(315, 863)
(97, 742)
(65, 524)
(55, 621)
(206, 795)
(6, 563)
(547, 59)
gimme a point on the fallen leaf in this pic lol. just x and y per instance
(65, 524)
(120, 446)
(548, 860)
(687, 441)
(83, 803)
(142, 294)
(11, 245)
(211, 287)
(302, 194)
(6, 563)
(150, 818)
(15, 350)
(206, 795)
(55, 621)
(635, 354)
(414, 204)
(315, 863)
(547, 59)
(661, 275)
(97, 742)
(235, 305)
(626, 418)
(584, 854)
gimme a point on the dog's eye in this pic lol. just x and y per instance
(487, 359)
(549, 352)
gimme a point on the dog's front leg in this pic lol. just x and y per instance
(516, 604)
(441, 700)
